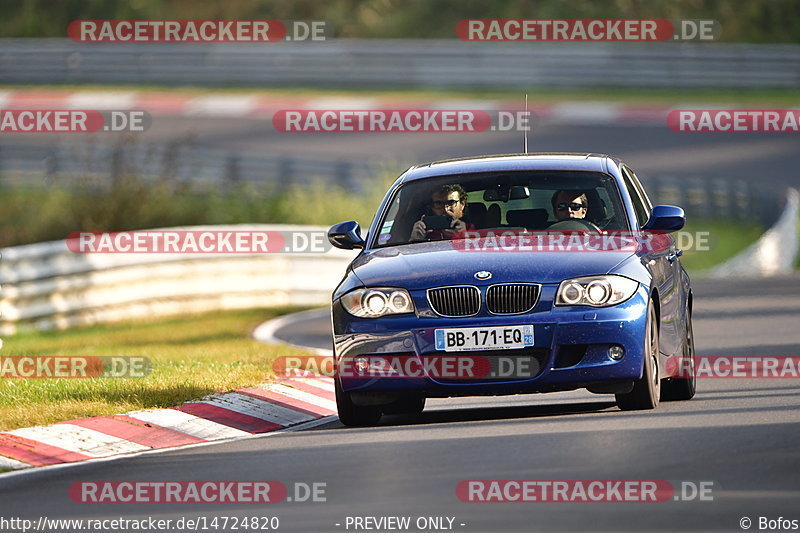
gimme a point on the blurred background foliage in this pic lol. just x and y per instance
(33, 214)
(755, 21)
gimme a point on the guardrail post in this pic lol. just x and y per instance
(117, 164)
(50, 165)
(285, 171)
(738, 200)
(716, 198)
(343, 176)
(232, 175)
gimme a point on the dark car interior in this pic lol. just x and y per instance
(517, 201)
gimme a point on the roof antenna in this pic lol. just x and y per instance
(527, 123)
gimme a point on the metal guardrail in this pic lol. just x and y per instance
(206, 169)
(30, 164)
(710, 197)
(47, 286)
(404, 63)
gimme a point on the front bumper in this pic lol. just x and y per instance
(570, 344)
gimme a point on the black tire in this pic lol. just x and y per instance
(647, 389)
(409, 405)
(684, 387)
(351, 414)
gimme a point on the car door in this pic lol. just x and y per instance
(661, 261)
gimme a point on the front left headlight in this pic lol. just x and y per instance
(596, 291)
(374, 303)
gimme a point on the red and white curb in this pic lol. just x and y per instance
(242, 413)
(254, 105)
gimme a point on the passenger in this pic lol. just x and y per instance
(449, 200)
(569, 204)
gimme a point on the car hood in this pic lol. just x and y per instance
(432, 264)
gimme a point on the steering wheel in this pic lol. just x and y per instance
(574, 224)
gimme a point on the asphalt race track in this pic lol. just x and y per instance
(768, 159)
(740, 434)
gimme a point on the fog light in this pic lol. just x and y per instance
(361, 364)
(616, 352)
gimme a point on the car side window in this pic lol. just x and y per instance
(641, 211)
(638, 184)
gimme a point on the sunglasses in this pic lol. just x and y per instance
(439, 204)
(574, 206)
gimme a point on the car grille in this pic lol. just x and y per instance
(511, 298)
(455, 301)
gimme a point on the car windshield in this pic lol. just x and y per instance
(508, 201)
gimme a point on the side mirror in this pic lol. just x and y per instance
(665, 218)
(346, 235)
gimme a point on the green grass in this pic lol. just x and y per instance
(761, 98)
(725, 239)
(191, 356)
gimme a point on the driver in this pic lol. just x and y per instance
(450, 200)
(569, 204)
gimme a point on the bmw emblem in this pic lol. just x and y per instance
(483, 274)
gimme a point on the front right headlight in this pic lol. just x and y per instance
(374, 303)
(596, 291)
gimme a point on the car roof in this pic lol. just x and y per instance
(511, 162)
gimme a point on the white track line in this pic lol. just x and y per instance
(189, 424)
(343, 103)
(266, 332)
(222, 105)
(263, 409)
(298, 394)
(101, 100)
(320, 383)
(79, 439)
(6, 462)
(585, 113)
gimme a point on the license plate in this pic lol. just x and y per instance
(491, 338)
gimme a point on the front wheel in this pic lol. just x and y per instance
(351, 414)
(647, 389)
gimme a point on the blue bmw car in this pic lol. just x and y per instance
(512, 274)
